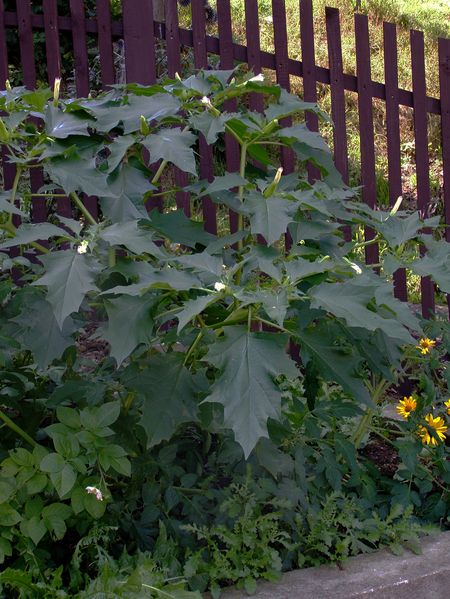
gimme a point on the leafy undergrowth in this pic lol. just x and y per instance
(158, 438)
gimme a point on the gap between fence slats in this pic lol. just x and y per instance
(393, 135)
(366, 134)
(421, 150)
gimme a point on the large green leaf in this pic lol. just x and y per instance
(269, 217)
(29, 232)
(350, 300)
(61, 124)
(399, 229)
(225, 182)
(300, 132)
(130, 180)
(209, 124)
(180, 229)
(130, 323)
(7, 206)
(40, 333)
(166, 278)
(77, 175)
(435, 263)
(138, 240)
(274, 302)
(153, 108)
(173, 145)
(248, 363)
(318, 343)
(169, 397)
(118, 149)
(289, 104)
(300, 268)
(68, 277)
(193, 307)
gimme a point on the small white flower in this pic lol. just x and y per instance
(206, 100)
(356, 268)
(219, 286)
(82, 248)
(259, 77)
(268, 19)
(94, 491)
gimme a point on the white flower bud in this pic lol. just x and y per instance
(94, 491)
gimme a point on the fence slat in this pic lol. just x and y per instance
(421, 149)
(52, 47)
(227, 62)
(253, 48)
(308, 60)
(444, 82)
(367, 141)
(139, 40)
(337, 91)
(206, 154)
(173, 44)
(38, 206)
(26, 43)
(105, 42)
(80, 54)
(282, 69)
(8, 169)
(393, 135)
(3, 49)
(309, 71)
(173, 47)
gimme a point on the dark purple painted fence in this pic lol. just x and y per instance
(141, 34)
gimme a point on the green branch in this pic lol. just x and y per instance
(16, 429)
(87, 215)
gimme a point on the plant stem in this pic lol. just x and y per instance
(272, 324)
(47, 195)
(192, 348)
(159, 172)
(15, 428)
(240, 223)
(14, 187)
(11, 229)
(111, 257)
(87, 215)
(366, 419)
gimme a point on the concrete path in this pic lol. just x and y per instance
(380, 575)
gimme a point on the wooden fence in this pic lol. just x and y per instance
(142, 37)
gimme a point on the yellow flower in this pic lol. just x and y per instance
(406, 406)
(439, 427)
(447, 405)
(425, 345)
